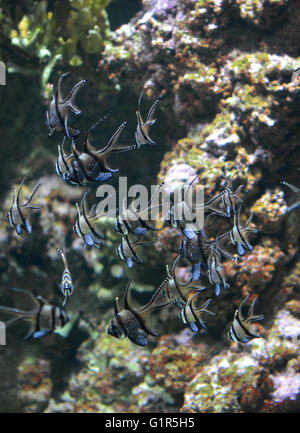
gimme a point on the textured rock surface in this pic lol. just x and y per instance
(231, 105)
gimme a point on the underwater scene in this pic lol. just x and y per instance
(150, 205)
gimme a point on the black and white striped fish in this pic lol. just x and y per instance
(127, 252)
(64, 161)
(191, 315)
(131, 322)
(193, 251)
(91, 164)
(66, 285)
(175, 291)
(216, 274)
(85, 224)
(131, 220)
(143, 128)
(60, 107)
(238, 234)
(18, 215)
(241, 329)
(44, 318)
(224, 203)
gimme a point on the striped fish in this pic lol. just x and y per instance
(131, 220)
(66, 285)
(126, 251)
(143, 128)
(224, 203)
(131, 322)
(18, 214)
(85, 224)
(175, 292)
(60, 107)
(91, 164)
(216, 273)
(191, 315)
(240, 330)
(182, 213)
(63, 161)
(192, 250)
(238, 234)
(44, 318)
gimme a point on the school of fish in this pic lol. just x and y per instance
(205, 256)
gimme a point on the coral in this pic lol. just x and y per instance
(230, 106)
(37, 31)
(239, 380)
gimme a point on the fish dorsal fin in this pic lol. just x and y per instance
(88, 148)
(75, 152)
(174, 266)
(59, 96)
(18, 198)
(135, 313)
(140, 100)
(117, 306)
(15, 197)
(84, 210)
(62, 154)
(78, 215)
(93, 210)
(126, 300)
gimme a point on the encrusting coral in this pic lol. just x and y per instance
(231, 106)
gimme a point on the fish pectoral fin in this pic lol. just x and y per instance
(140, 231)
(104, 176)
(194, 327)
(41, 334)
(240, 249)
(18, 229)
(196, 271)
(88, 239)
(139, 340)
(28, 227)
(190, 234)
